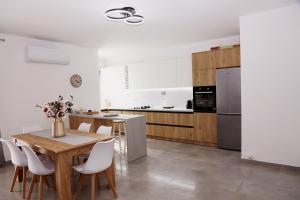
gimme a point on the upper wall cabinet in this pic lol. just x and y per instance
(169, 73)
(203, 60)
(229, 57)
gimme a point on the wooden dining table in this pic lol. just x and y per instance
(62, 150)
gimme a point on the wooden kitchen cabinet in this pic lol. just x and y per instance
(172, 133)
(183, 133)
(203, 60)
(204, 77)
(205, 125)
(179, 119)
(160, 131)
(229, 57)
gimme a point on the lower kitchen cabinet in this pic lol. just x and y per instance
(205, 130)
(160, 131)
(169, 118)
(183, 133)
(170, 132)
(196, 128)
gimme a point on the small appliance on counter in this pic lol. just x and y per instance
(189, 104)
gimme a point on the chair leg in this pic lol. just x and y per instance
(17, 169)
(80, 178)
(98, 181)
(93, 183)
(120, 141)
(110, 183)
(33, 180)
(24, 182)
(125, 137)
(114, 130)
(41, 184)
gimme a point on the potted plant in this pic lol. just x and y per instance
(57, 110)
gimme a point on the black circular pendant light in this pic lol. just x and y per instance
(126, 14)
(134, 20)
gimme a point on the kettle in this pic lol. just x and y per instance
(189, 104)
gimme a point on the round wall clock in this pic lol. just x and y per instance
(76, 80)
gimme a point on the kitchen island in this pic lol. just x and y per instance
(135, 130)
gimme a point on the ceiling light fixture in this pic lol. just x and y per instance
(126, 14)
(134, 20)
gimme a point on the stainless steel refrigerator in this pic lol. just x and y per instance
(228, 91)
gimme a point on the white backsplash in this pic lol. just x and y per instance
(156, 98)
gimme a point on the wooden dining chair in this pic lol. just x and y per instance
(38, 168)
(19, 160)
(94, 166)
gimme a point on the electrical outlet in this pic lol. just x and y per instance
(163, 93)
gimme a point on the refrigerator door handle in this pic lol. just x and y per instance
(229, 113)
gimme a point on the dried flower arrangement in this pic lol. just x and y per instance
(58, 108)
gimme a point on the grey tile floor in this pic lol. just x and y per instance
(176, 171)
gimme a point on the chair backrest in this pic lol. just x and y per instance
(100, 157)
(105, 130)
(35, 165)
(85, 127)
(34, 128)
(18, 157)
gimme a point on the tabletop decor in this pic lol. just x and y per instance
(57, 110)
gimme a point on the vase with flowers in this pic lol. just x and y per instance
(57, 110)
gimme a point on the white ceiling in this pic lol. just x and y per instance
(167, 22)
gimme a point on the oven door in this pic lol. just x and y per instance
(204, 99)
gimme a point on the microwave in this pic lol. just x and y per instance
(204, 98)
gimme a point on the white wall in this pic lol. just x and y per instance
(24, 84)
(113, 89)
(270, 86)
(168, 53)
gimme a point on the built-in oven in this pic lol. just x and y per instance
(204, 98)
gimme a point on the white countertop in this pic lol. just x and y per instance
(154, 109)
(102, 116)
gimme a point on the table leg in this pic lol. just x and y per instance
(62, 176)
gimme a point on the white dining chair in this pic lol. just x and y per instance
(104, 130)
(38, 168)
(19, 160)
(85, 127)
(94, 166)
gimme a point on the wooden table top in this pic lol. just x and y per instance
(54, 146)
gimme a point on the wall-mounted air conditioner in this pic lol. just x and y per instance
(46, 55)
